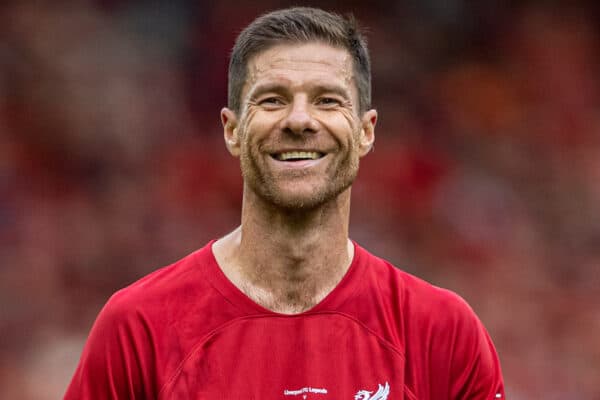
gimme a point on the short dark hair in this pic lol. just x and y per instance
(299, 25)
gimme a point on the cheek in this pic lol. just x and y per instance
(343, 127)
(258, 125)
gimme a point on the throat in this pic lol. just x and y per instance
(284, 276)
(288, 300)
(295, 287)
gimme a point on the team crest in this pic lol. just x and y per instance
(381, 393)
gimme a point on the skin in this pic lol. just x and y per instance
(292, 247)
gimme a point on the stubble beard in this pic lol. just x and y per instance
(338, 178)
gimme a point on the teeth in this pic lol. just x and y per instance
(293, 155)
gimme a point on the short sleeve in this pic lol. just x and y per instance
(116, 362)
(475, 367)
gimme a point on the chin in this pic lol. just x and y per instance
(297, 193)
(294, 200)
(299, 203)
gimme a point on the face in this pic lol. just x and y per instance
(299, 136)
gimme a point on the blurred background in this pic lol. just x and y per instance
(485, 177)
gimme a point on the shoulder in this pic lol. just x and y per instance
(146, 329)
(446, 338)
(435, 304)
(173, 296)
(184, 278)
(439, 332)
(417, 298)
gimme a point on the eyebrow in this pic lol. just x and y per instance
(318, 87)
(325, 87)
(266, 88)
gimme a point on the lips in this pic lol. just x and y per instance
(297, 155)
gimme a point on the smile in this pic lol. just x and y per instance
(298, 155)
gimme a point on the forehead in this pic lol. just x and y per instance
(300, 64)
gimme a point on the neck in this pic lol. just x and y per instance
(287, 261)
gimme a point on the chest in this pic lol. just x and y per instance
(319, 357)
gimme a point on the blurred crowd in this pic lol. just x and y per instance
(485, 177)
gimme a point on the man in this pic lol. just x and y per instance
(286, 306)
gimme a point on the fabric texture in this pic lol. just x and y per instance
(186, 332)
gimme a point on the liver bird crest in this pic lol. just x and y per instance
(381, 393)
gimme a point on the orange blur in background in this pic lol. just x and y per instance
(485, 177)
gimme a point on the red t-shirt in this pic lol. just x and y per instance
(186, 332)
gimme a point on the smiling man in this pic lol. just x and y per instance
(287, 306)
(301, 132)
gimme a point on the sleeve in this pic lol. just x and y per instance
(117, 361)
(475, 372)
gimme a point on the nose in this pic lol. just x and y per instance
(299, 120)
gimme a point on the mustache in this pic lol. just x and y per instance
(275, 142)
(270, 145)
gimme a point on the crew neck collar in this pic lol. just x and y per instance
(333, 300)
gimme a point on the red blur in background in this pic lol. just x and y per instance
(485, 177)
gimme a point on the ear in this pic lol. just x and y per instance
(230, 131)
(367, 132)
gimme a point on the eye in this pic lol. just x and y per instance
(271, 102)
(328, 101)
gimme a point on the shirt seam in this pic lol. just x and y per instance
(223, 326)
